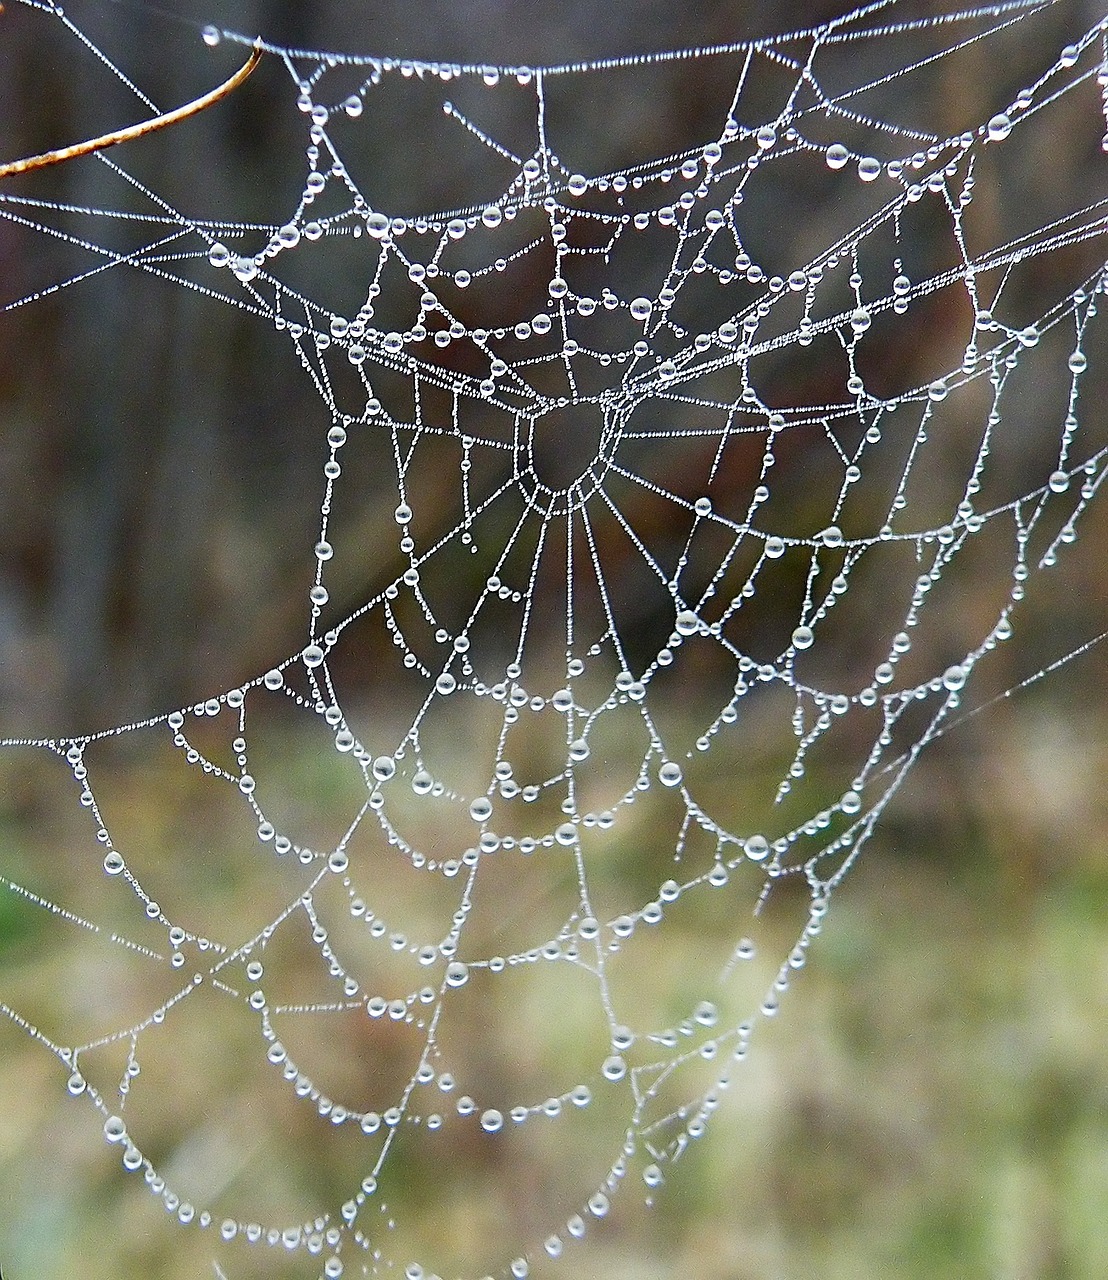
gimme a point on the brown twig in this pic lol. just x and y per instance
(134, 130)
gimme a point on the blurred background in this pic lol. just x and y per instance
(934, 1100)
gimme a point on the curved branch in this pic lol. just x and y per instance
(135, 130)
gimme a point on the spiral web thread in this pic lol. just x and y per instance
(581, 388)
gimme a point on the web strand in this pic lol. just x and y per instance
(677, 575)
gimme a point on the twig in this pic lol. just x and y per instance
(135, 130)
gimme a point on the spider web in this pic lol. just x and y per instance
(691, 549)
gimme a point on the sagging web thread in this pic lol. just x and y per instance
(575, 388)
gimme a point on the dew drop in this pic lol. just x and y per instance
(775, 548)
(954, 677)
(756, 848)
(999, 127)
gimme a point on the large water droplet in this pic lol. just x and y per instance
(999, 127)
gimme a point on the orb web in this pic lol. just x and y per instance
(650, 626)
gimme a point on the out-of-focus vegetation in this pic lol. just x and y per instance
(931, 1102)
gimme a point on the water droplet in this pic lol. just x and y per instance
(491, 1121)
(868, 168)
(669, 775)
(457, 974)
(756, 848)
(599, 1204)
(687, 623)
(480, 810)
(775, 548)
(211, 36)
(954, 677)
(851, 802)
(836, 155)
(641, 308)
(999, 127)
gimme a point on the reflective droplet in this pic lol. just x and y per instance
(803, 638)
(756, 848)
(851, 802)
(868, 168)
(836, 155)
(999, 127)
(687, 623)
(669, 775)
(775, 548)
(954, 677)
(384, 767)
